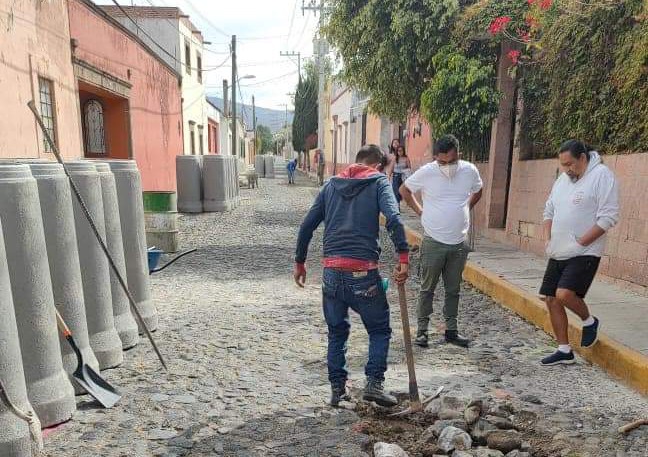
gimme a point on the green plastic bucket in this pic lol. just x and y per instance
(160, 201)
(161, 220)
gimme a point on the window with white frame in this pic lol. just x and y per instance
(47, 110)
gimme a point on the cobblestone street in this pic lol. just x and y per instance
(246, 350)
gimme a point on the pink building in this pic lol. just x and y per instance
(36, 65)
(129, 99)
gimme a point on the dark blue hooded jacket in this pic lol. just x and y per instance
(350, 207)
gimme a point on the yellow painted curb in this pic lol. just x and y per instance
(620, 361)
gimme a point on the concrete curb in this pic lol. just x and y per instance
(618, 360)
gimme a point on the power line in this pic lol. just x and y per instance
(209, 22)
(292, 21)
(270, 80)
(123, 11)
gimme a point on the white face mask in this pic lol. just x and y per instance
(449, 170)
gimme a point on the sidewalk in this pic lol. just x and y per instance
(512, 278)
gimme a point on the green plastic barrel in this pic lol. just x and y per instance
(161, 220)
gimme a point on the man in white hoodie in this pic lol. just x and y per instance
(582, 207)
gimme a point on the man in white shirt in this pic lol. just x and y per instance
(582, 207)
(450, 188)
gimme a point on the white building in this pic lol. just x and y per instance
(170, 33)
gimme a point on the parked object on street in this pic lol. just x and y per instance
(48, 387)
(95, 271)
(16, 414)
(131, 213)
(189, 183)
(63, 256)
(125, 323)
(161, 219)
(85, 375)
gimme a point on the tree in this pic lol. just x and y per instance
(387, 47)
(305, 118)
(461, 98)
(264, 139)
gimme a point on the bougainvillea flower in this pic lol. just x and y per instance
(498, 24)
(531, 22)
(514, 55)
(545, 4)
(524, 35)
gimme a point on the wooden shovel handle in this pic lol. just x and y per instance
(409, 353)
(62, 325)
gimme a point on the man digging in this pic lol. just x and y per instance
(350, 205)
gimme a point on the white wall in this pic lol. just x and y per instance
(341, 102)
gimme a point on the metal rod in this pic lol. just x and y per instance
(113, 266)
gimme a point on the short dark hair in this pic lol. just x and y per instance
(370, 154)
(445, 144)
(575, 148)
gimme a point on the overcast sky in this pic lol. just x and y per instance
(263, 29)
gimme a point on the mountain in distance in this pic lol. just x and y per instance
(274, 119)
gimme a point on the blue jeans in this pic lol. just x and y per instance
(397, 181)
(364, 294)
(291, 176)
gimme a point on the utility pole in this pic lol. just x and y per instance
(234, 138)
(320, 48)
(294, 54)
(254, 125)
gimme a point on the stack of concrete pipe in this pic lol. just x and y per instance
(189, 183)
(48, 387)
(50, 259)
(259, 165)
(269, 167)
(221, 191)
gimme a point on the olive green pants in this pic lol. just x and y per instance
(440, 260)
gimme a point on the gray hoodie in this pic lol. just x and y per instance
(575, 207)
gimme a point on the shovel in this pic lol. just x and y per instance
(416, 405)
(85, 375)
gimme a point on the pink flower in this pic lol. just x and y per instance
(531, 22)
(498, 24)
(545, 4)
(514, 55)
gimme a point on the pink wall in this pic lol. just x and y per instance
(35, 41)
(418, 145)
(155, 100)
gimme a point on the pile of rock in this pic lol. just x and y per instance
(469, 429)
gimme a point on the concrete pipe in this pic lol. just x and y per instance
(63, 255)
(131, 213)
(48, 388)
(269, 167)
(259, 165)
(189, 183)
(15, 440)
(95, 270)
(125, 323)
(217, 183)
(239, 166)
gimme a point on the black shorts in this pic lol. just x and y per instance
(576, 274)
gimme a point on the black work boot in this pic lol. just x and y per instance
(421, 339)
(339, 393)
(453, 337)
(375, 392)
